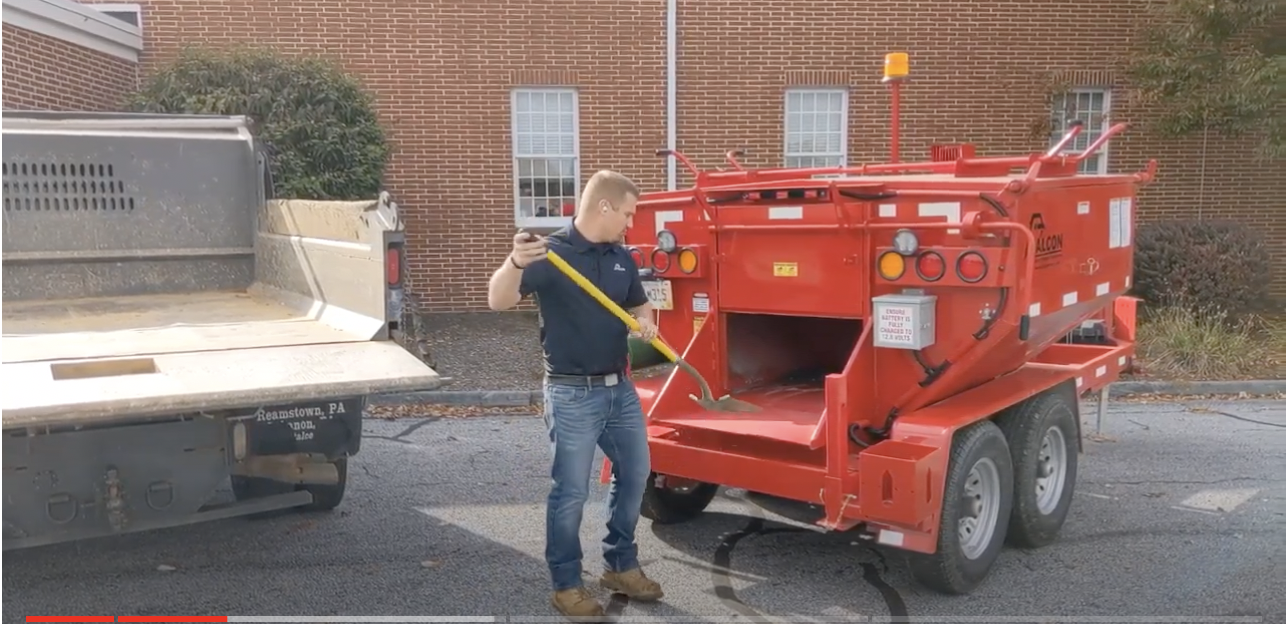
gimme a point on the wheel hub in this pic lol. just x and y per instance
(980, 504)
(677, 485)
(1051, 470)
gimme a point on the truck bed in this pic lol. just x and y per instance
(146, 272)
(139, 325)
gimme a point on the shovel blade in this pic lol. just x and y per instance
(726, 404)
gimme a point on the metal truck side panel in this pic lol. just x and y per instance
(100, 481)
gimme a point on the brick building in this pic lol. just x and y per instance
(500, 109)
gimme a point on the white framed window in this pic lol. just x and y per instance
(816, 127)
(1092, 107)
(125, 12)
(546, 152)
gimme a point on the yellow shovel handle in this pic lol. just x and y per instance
(594, 292)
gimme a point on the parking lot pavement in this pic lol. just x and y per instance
(1181, 511)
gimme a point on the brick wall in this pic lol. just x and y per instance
(443, 72)
(44, 73)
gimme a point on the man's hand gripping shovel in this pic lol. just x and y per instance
(706, 400)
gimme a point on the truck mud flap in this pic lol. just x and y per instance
(80, 392)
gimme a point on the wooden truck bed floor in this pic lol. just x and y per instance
(157, 324)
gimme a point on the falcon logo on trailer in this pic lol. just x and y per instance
(1048, 246)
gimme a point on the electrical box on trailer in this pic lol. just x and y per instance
(904, 321)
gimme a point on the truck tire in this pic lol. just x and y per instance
(1042, 433)
(979, 487)
(670, 506)
(325, 497)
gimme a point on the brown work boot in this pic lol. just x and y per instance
(633, 583)
(577, 603)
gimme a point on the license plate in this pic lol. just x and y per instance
(660, 294)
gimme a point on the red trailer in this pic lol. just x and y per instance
(916, 337)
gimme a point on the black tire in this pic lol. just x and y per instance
(670, 506)
(949, 570)
(1025, 426)
(325, 497)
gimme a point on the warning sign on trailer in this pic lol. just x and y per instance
(895, 325)
(904, 321)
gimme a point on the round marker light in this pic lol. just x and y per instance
(637, 254)
(905, 242)
(666, 241)
(892, 265)
(660, 260)
(687, 261)
(971, 266)
(930, 266)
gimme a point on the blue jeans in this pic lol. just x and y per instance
(580, 418)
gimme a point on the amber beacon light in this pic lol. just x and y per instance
(897, 68)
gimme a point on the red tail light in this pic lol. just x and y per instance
(660, 261)
(971, 266)
(393, 264)
(930, 266)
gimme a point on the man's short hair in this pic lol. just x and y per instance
(609, 185)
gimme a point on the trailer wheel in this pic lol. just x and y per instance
(325, 497)
(976, 503)
(670, 505)
(1042, 434)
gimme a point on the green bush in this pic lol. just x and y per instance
(319, 123)
(1202, 266)
(1188, 344)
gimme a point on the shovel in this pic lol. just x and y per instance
(706, 400)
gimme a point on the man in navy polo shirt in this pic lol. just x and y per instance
(589, 400)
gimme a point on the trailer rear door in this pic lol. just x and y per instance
(794, 260)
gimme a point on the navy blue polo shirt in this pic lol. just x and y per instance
(579, 335)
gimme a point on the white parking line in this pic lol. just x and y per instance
(1218, 501)
(1096, 495)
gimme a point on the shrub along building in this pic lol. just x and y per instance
(498, 111)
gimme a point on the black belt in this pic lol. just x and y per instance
(603, 381)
